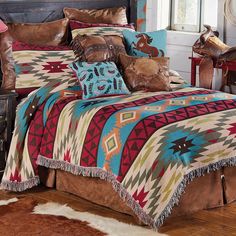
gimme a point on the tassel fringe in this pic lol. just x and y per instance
(20, 186)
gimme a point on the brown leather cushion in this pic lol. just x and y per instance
(42, 34)
(98, 48)
(7, 62)
(148, 74)
(115, 15)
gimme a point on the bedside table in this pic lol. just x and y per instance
(7, 118)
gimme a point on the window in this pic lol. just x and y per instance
(187, 15)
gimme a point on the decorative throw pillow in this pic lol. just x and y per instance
(176, 80)
(47, 34)
(52, 33)
(99, 79)
(97, 48)
(148, 74)
(116, 15)
(81, 28)
(36, 65)
(150, 44)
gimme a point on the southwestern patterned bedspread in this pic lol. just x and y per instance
(148, 145)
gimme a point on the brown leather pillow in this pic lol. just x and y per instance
(42, 34)
(116, 15)
(148, 74)
(7, 62)
(97, 48)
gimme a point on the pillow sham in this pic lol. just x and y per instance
(47, 34)
(115, 15)
(35, 66)
(81, 28)
(99, 79)
(148, 44)
(97, 48)
(148, 74)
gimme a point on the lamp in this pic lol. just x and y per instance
(3, 27)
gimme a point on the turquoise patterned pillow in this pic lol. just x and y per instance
(148, 44)
(99, 79)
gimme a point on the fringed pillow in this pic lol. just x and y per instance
(98, 48)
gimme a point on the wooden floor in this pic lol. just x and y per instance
(216, 222)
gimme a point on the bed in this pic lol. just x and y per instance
(216, 177)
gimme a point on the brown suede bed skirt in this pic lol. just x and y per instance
(209, 191)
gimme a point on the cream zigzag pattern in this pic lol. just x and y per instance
(73, 141)
(37, 76)
(159, 194)
(104, 31)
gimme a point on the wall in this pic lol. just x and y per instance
(231, 29)
(151, 18)
(178, 44)
(230, 36)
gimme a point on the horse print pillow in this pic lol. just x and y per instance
(99, 79)
(148, 44)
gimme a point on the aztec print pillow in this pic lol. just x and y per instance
(81, 28)
(148, 44)
(99, 79)
(35, 65)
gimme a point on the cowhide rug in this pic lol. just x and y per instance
(25, 216)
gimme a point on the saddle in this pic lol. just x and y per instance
(213, 51)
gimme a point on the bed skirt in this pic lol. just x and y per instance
(205, 192)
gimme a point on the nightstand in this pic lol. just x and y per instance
(7, 118)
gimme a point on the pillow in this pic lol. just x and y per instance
(47, 34)
(98, 48)
(176, 80)
(175, 77)
(99, 79)
(148, 74)
(81, 28)
(152, 44)
(115, 15)
(35, 66)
